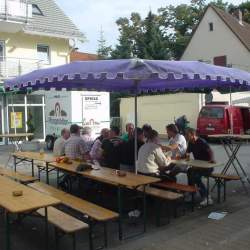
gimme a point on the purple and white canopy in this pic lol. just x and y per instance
(130, 75)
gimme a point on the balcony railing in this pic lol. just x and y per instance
(16, 10)
(12, 67)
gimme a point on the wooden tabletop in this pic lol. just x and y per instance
(16, 135)
(76, 203)
(108, 175)
(30, 200)
(35, 156)
(230, 136)
(197, 163)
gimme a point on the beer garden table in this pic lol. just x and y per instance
(232, 144)
(29, 201)
(16, 139)
(31, 157)
(198, 164)
(109, 176)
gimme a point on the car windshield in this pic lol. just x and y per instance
(217, 113)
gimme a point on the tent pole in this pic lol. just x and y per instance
(231, 114)
(136, 123)
(13, 111)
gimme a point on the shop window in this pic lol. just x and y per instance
(16, 99)
(36, 120)
(34, 99)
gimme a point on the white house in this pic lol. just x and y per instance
(220, 38)
(33, 34)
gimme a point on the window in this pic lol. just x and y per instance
(43, 54)
(36, 10)
(217, 113)
(211, 26)
(220, 61)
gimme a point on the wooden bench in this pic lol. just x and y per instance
(63, 222)
(163, 195)
(41, 166)
(93, 211)
(169, 185)
(222, 179)
(22, 178)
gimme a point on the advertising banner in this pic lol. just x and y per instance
(57, 111)
(95, 111)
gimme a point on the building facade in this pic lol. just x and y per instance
(34, 34)
(221, 39)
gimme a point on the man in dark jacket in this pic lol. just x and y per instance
(201, 151)
(128, 151)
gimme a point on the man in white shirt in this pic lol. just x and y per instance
(177, 146)
(59, 143)
(177, 142)
(151, 159)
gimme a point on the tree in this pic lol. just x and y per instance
(154, 45)
(130, 37)
(103, 51)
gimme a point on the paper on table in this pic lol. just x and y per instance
(217, 215)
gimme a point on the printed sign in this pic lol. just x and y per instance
(95, 111)
(16, 120)
(57, 111)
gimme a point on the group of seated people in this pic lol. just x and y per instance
(153, 159)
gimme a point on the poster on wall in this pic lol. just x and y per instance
(57, 111)
(95, 111)
(16, 119)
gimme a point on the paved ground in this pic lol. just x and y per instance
(189, 232)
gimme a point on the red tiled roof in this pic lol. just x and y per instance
(80, 56)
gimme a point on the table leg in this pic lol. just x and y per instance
(207, 190)
(15, 164)
(144, 209)
(7, 229)
(233, 157)
(46, 229)
(57, 178)
(119, 192)
(32, 167)
(47, 172)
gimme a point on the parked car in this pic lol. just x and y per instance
(217, 118)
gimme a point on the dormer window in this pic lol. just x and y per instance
(36, 10)
(211, 26)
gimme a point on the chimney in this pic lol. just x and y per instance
(240, 17)
(238, 14)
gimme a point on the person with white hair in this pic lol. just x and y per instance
(59, 143)
(87, 137)
(96, 150)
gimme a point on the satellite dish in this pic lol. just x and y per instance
(72, 43)
(209, 98)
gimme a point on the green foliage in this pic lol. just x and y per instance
(164, 35)
(103, 51)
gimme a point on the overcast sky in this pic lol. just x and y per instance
(91, 15)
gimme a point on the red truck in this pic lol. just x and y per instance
(221, 118)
